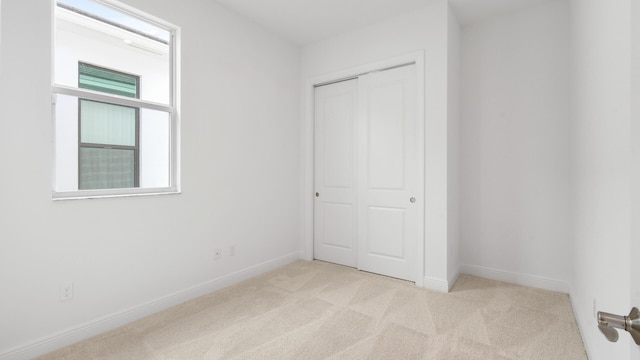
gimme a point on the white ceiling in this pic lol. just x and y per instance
(306, 21)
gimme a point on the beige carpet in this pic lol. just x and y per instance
(315, 310)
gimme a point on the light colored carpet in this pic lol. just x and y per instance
(315, 310)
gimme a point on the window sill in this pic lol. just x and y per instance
(115, 193)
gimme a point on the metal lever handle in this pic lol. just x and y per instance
(608, 323)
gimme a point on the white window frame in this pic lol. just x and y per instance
(172, 109)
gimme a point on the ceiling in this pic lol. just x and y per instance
(306, 21)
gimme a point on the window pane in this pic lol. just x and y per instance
(155, 130)
(107, 14)
(90, 32)
(106, 168)
(107, 124)
(154, 146)
(104, 80)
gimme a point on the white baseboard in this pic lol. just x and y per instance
(56, 341)
(516, 278)
(440, 285)
(436, 284)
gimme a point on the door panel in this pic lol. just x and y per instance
(386, 136)
(384, 224)
(337, 128)
(337, 225)
(335, 173)
(387, 222)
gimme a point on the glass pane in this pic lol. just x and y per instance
(93, 33)
(106, 168)
(155, 130)
(110, 15)
(108, 124)
(154, 151)
(104, 80)
(66, 149)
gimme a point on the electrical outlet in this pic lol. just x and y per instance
(217, 254)
(66, 291)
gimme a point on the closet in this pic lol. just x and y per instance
(366, 177)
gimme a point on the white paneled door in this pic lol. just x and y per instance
(366, 177)
(388, 187)
(335, 220)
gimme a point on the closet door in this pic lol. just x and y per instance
(335, 211)
(387, 169)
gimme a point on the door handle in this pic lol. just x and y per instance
(317, 194)
(608, 323)
(412, 200)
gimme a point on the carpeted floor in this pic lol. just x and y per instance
(315, 310)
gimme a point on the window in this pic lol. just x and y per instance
(108, 149)
(115, 102)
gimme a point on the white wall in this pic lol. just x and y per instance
(453, 147)
(601, 171)
(514, 147)
(240, 175)
(425, 29)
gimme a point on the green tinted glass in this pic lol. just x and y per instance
(106, 168)
(108, 124)
(108, 81)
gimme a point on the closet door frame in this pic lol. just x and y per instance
(307, 148)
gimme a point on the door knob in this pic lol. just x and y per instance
(608, 323)
(412, 200)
